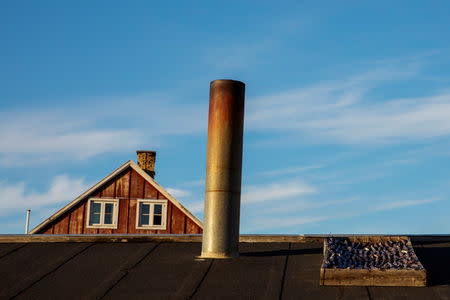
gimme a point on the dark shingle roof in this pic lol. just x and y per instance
(159, 269)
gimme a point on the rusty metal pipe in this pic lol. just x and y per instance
(223, 169)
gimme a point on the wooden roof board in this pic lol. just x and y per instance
(104, 181)
(170, 271)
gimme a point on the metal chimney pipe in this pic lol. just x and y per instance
(223, 169)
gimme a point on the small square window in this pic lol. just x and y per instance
(151, 214)
(102, 213)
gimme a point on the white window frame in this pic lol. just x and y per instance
(103, 201)
(163, 225)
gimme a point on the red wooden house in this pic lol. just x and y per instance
(128, 200)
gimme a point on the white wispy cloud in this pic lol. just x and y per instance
(292, 222)
(295, 215)
(340, 111)
(359, 210)
(276, 191)
(34, 146)
(16, 197)
(301, 205)
(62, 133)
(178, 192)
(343, 112)
(290, 170)
(198, 182)
(403, 204)
(188, 198)
(196, 207)
(401, 161)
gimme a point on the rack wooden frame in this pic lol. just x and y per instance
(377, 277)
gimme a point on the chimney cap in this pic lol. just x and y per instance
(145, 151)
(227, 81)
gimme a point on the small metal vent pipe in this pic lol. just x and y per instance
(223, 169)
(27, 224)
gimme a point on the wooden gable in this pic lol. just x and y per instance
(127, 185)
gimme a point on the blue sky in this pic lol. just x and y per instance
(347, 126)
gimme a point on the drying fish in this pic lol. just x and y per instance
(344, 254)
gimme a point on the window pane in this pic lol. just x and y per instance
(158, 209)
(95, 207)
(109, 208)
(157, 220)
(144, 220)
(145, 208)
(108, 219)
(94, 218)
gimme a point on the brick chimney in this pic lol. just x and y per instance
(146, 161)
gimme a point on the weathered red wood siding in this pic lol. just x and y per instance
(62, 226)
(177, 218)
(47, 230)
(123, 193)
(128, 186)
(77, 219)
(191, 227)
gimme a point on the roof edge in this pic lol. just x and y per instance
(197, 238)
